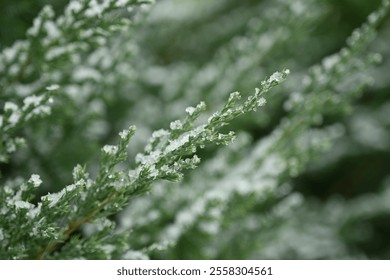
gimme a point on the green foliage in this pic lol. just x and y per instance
(80, 77)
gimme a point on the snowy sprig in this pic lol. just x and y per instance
(185, 140)
(168, 155)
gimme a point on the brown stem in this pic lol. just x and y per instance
(73, 226)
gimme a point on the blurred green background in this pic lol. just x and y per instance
(17, 16)
(359, 171)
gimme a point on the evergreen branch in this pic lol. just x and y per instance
(164, 162)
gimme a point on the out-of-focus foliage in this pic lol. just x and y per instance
(17, 17)
(307, 176)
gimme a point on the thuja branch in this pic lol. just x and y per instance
(167, 155)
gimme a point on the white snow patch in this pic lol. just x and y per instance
(330, 61)
(9, 54)
(53, 198)
(52, 30)
(160, 133)
(23, 204)
(84, 73)
(110, 149)
(35, 211)
(135, 255)
(33, 31)
(261, 101)
(190, 110)
(108, 249)
(73, 7)
(15, 116)
(32, 100)
(276, 77)
(176, 125)
(35, 180)
(10, 106)
(124, 134)
(52, 87)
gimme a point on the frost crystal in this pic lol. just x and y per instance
(110, 149)
(73, 7)
(234, 96)
(277, 77)
(190, 110)
(16, 113)
(176, 125)
(35, 211)
(175, 144)
(123, 134)
(48, 12)
(149, 159)
(183, 139)
(261, 101)
(53, 198)
(52, 87)
(95, 9)
(160, 133)
(35, 180)
(165, 168)
(23, 204)
(196, 159)
(52, 30)
(153, 171)
(10, 106)
(70, 188)
(32, 100)
(40, 110)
